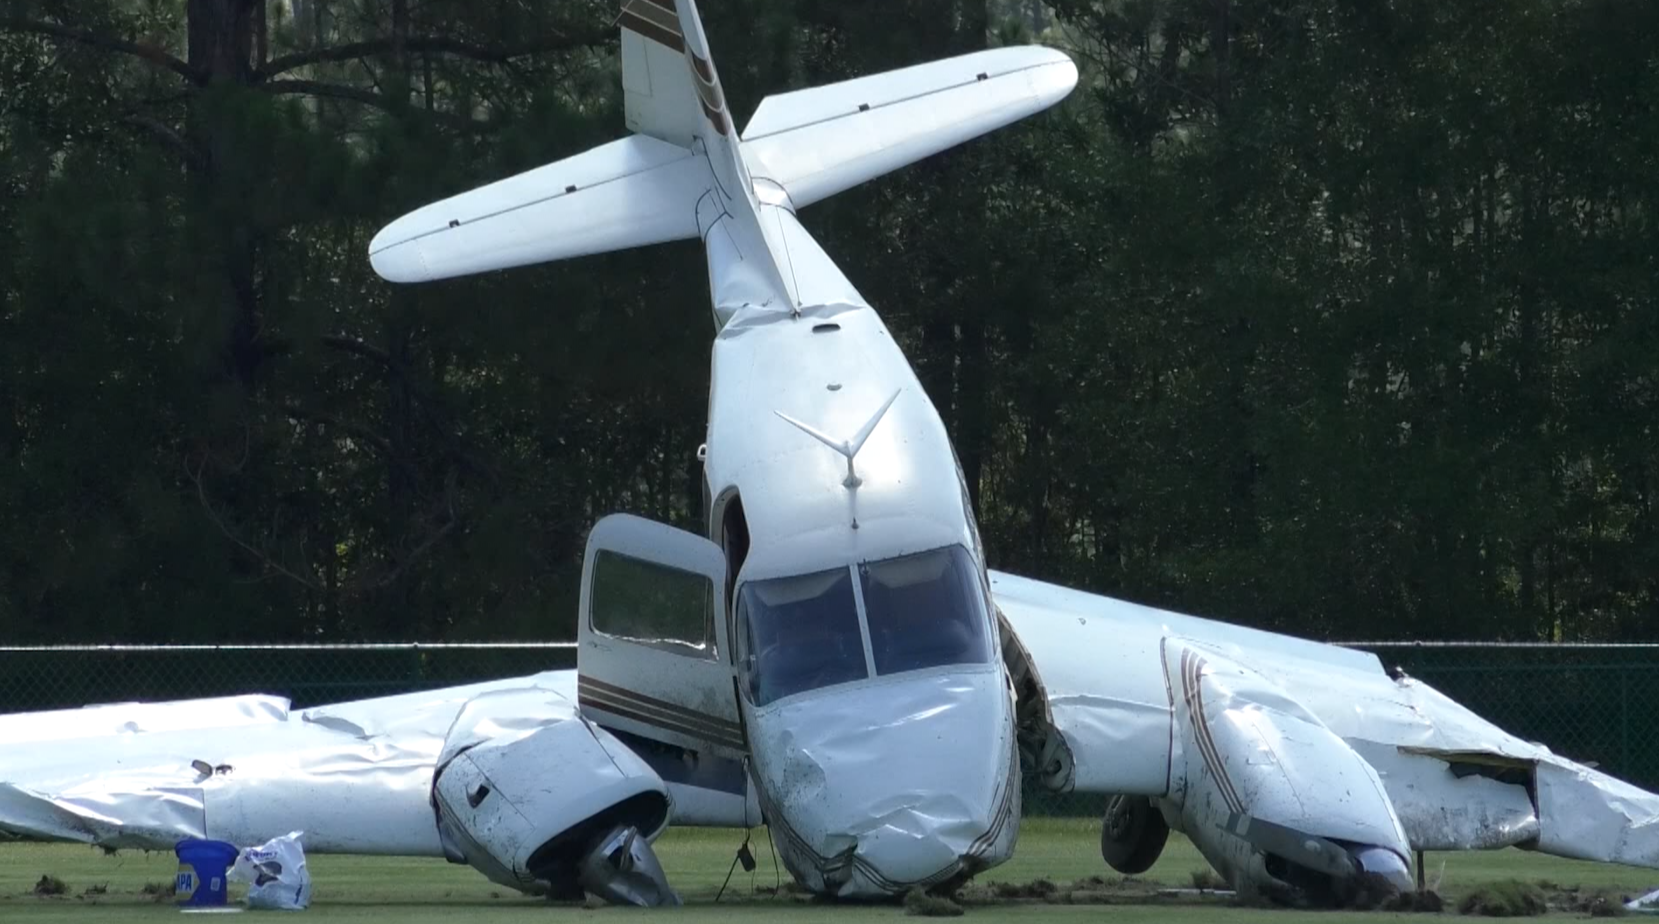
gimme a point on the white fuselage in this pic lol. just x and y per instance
(894, 778)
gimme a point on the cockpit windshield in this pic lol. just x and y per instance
(809, 631)
(802, 634)
(925, 610)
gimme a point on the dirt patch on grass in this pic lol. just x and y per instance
(1091, 890)
(921, 904)
(159, 891)
(1036, 888)
(1602, 905)
(1509, 898)
(1208, 880)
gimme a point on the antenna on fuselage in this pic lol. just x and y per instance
(848, 448)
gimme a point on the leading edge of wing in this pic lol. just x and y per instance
(632, 192)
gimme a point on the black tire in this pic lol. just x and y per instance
(1132, 834)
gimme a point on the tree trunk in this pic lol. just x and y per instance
(221, 37)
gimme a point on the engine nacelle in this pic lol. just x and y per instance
(1246, 751)
(549, 805)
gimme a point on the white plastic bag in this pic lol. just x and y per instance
(275, 873)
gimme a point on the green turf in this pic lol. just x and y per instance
(397, 891)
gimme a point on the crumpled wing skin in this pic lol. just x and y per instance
(356, 777)
(820, 141)
(1456, 781)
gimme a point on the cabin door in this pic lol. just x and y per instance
(653, 657)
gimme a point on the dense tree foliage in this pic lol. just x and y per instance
(1336, 317)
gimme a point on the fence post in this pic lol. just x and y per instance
(1624, 717)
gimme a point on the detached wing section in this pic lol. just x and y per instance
(628, 193)
(1195, 713)
(818, 142)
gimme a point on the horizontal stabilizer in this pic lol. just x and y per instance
(821, 141)
(628, 193)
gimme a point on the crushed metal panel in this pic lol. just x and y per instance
(1261, 781)
(1456, 780)
(356, 776)
(520, 770)
(1443, 811)
(1588, 815)
(351, 794)
(873, 813)
(108, 817)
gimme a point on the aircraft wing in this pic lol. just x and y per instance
(1220, 723)
(118, 718)
(461, 772)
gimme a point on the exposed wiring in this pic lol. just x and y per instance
(743, 856)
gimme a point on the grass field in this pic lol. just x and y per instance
(396, 891)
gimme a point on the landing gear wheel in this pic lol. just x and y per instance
(1132, 835)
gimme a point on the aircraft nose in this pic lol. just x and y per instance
(877, 789)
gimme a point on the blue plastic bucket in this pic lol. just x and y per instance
(202, 866)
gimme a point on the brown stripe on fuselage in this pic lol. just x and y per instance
(586, 685)
(704, 69)
(711, 93)
(645, 27)
(710, 97)
(650, 12)
(668, 5)
(712, 730)
(658, 718)
(717, 118)
(655, 721)
(1193, 676)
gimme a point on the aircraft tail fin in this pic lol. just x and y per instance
(669, 87)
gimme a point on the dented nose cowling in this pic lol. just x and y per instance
(894, 784)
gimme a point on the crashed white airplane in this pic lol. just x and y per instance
(834, 659)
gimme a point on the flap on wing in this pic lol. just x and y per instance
(817, 142)
(628, 193)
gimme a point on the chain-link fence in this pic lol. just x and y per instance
(1597, 704)
(1594, 703)
(309, 675)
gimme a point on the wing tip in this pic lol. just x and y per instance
(398, 260)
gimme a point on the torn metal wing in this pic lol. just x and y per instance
(506, 776)
(1222, 725)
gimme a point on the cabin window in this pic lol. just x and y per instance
(925, 610)
(650, 602)
(800, 633)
